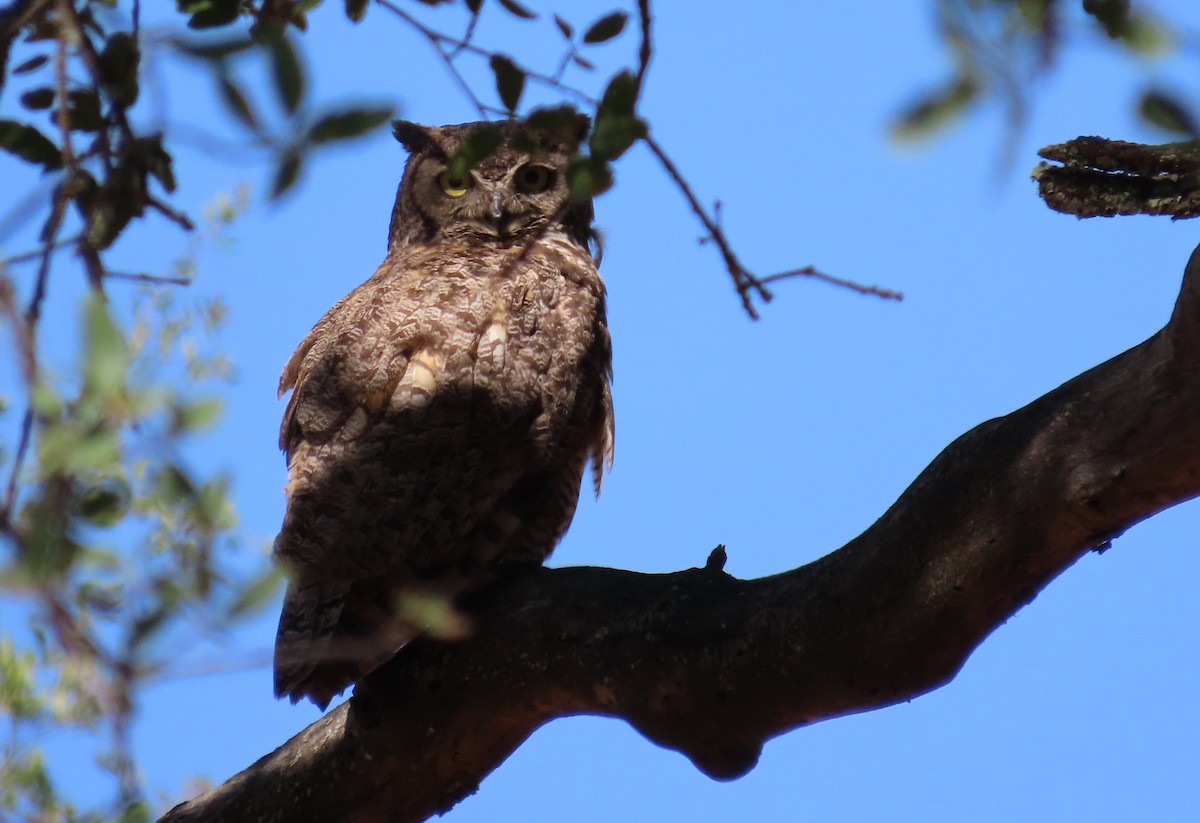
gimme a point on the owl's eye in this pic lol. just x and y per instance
(453, 186)
(532, 178)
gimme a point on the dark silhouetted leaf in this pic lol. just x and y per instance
(606, 28)
(1168, 113)
(119, 68)
(1113, 15)
(474, 6)
(516, 8)
(510, 81)
(208, 14)
(235, 99)
(83, 110)
(935, 110)
(38, 99)
(583, 63)
(287, 172)
(31, 64)
(340, 125)
(285, 67)
(564, 27)
(109, 213)
(158, 162)
(106, 504)
(29, 144)
(356, 10)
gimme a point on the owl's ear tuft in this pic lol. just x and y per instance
(566, 123)
(413, 136)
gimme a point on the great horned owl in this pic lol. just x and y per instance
(442, 413)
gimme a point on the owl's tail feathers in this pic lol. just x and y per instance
(329, 639)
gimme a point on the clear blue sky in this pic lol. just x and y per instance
(781, 438)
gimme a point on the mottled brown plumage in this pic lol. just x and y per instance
(441, 413)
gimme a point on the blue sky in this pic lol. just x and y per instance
(780, 438)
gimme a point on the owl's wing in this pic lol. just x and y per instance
(603, 429)
(394, 460)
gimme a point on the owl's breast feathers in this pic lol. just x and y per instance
(441, 417)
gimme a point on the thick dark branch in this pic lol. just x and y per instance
(1104, 178)
(714, 666)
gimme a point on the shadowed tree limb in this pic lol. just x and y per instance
(713, 666)
(1098, 177)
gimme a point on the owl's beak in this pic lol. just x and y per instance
(497, 206)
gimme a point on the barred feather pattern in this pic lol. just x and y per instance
(442, 413)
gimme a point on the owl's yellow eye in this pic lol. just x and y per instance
(532, 178)
(453, 186)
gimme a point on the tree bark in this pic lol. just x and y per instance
(713, 666)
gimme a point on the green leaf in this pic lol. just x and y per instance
(1168, 113)
(356, 10)
(510, 81)
(1144, 36)
(620, 97)
(588, 176)
(517, 9)
(256, 594)
(935, 110)
(38, 99)
(237, 102)
(31, 64)
(617, 127)
(29, 144)
(106, 504)
(606, 28)
(482, 143)
(190, 417)
(172, 486)
(285, 67)
(287, 172)
(107, 354)
(341, 125)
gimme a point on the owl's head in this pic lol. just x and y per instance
(519, 185)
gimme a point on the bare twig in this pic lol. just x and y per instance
(148, 278)
(743, 281)
(175, 216)
(645, 50)
(30, 256)
(809, 271)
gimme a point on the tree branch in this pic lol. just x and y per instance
(1104, 178)
(712, 666)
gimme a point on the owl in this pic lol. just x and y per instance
(442, 413)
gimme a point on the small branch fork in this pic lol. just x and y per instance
(749, 286)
